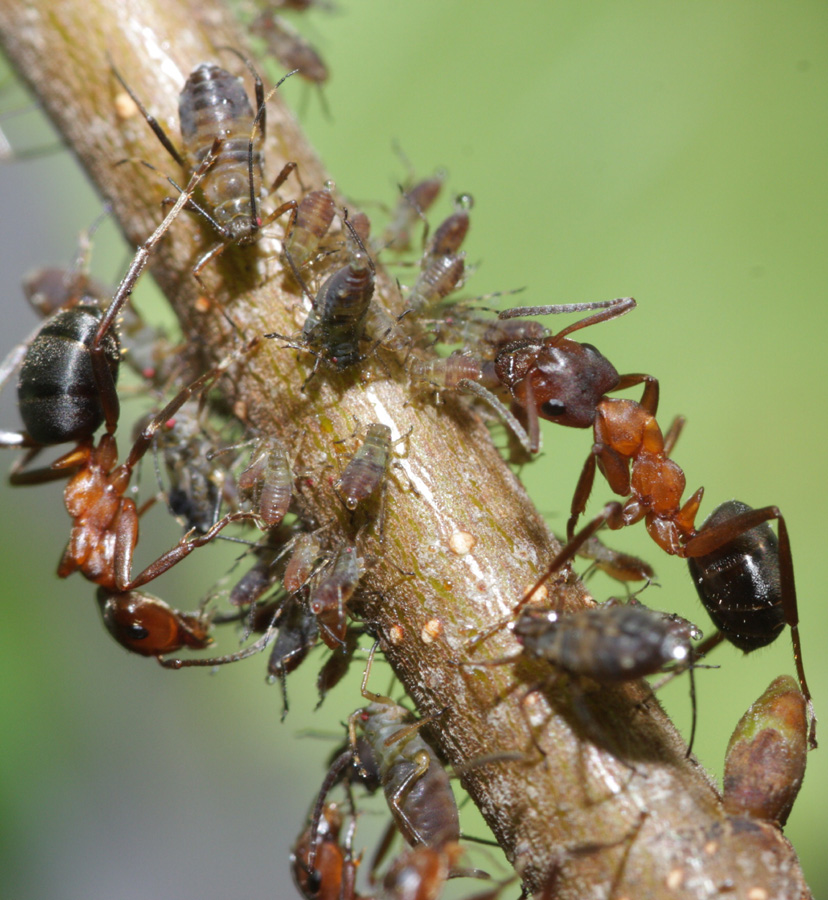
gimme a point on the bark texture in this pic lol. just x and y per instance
(620, 813)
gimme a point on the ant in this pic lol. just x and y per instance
(67, 389)
(743, 574)
(214, 104)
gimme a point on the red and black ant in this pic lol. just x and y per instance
(67, 389)
(744, 576)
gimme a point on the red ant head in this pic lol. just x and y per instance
(563, 380)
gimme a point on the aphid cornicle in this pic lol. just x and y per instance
(214, 105)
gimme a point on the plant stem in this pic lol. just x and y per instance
(626, 816)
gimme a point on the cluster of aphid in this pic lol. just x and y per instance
(302, 582)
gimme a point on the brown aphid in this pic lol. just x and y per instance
(291, 50)
(306, 554)
(298, 631)
(313, 219)
(150, 627)
(766, 754)
(414, 781)
(446, 372)
(320, 877)
(451, 232)
(330, 597)
(368, 467)
(268, 482)
(439, 278)
(337, 664)
(412, 206)
(361, 225)
(620, 566)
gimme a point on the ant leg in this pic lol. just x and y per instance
(183, 549)
(649, 399)
(147, 435)
(98, 351)
(673, 434)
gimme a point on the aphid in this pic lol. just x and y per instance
(412, 206)
(268, 481)
(567, 382)
(415, 783)
(291, 50)
(314, 216)
(610, 643)
(148, 626)
(620, 566)
(337, 664)
(440, 277)
(298, 630)
(446, 372)
(368, 467)
(766, 755)
(451, 232)
(197, 484)
(330, 597)
(336, 322)
(306, 554)
(214, 105)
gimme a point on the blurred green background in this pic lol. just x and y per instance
(672, 151)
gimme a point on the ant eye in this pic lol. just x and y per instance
(552, 408)
(137, 632)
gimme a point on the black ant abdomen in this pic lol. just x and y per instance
(58, 392)
(739, 582)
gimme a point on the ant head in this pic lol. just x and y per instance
(564, 380)
(148, 626)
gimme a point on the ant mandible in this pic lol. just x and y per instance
(743, 575)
